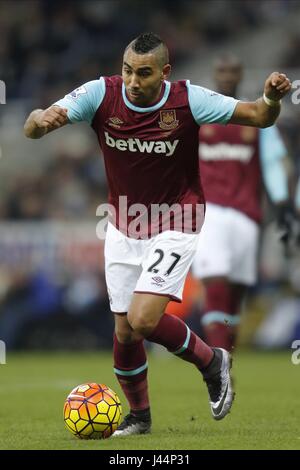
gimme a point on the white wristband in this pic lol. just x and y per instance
(272, 103)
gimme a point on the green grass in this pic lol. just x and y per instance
(265, 414)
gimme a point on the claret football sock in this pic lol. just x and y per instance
(176, 336)
(130, 367)
(220, 335)
(220, 319)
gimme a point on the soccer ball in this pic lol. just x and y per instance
(92, 411)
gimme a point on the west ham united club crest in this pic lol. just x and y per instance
(168, 120)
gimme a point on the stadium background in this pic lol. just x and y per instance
(52, 288)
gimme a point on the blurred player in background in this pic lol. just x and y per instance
(233, 162)
(147, 128)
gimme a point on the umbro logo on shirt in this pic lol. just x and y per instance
(165, 147)
(114, 122)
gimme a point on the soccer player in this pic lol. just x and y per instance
(233, 160)
(147, 128)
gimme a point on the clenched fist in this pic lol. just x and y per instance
(52, 118)
(277, 85)
(41, 122)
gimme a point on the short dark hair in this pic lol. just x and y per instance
(148, 42)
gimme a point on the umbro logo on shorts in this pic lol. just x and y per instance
(165, 147)
(158, 281)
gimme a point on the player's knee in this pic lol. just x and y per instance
(124, 337)
(124, 332)
(142, 322)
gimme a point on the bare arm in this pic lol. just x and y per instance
(258, 113)
(40, 122)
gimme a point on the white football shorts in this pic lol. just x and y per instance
(228, 246)
(158, 265)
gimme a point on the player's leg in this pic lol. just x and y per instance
(130, 367)
(213, 265)
(164, 270)
(146, 316)
(221, 311)
(244, 267)
(235, 253)
(130, 363)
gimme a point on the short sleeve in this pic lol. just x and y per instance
(209, 107)
(272, 152)
(271, 145)
(83, 102)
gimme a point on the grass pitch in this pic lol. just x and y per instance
(265, 414)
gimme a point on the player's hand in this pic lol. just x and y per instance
(277, 85)
(51, 118)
